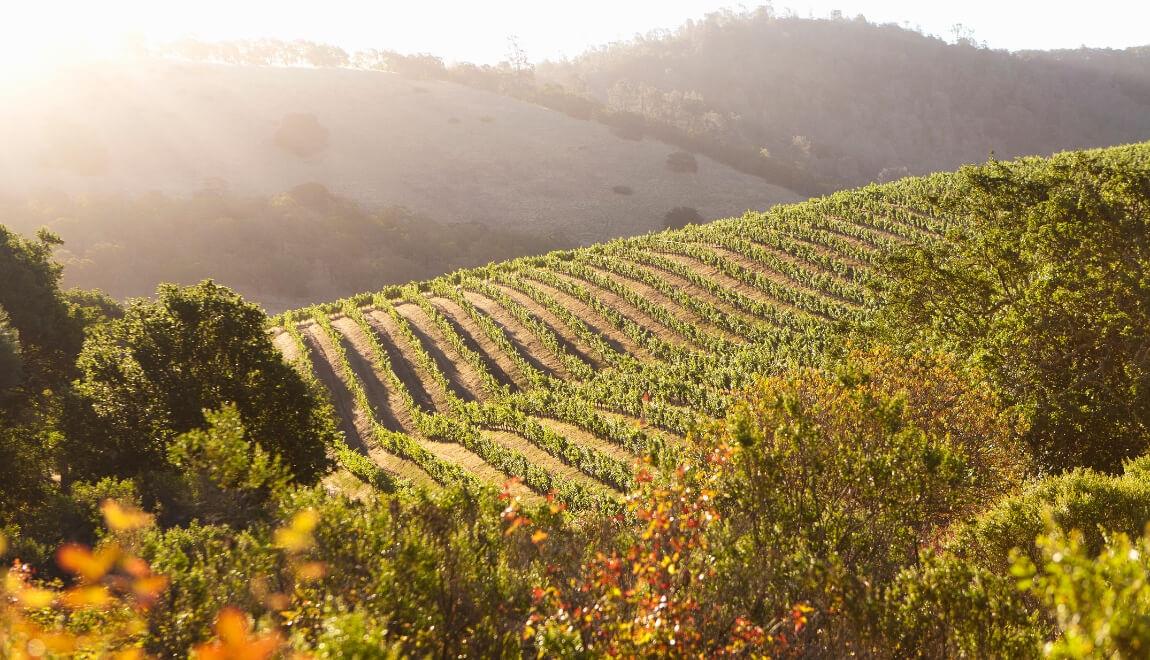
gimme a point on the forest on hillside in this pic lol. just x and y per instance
(907, 420)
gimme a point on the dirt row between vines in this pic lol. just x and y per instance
(537, 456)
(480, 342)
(355, 423)
(521, 337)
(679, 312)
(596, 322)
(465, 381)
(571, 342)
(702, 293)
(616, 302)
(721, 278)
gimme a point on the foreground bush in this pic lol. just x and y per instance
(1041, 279)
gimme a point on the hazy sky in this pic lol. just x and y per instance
(478, 31)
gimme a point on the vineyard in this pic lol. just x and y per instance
(561, 372)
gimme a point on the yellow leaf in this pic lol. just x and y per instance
(297, 536)
(539, 537)
(83, 562)
(311, 571)
(85, 597)
(122, 519)
(33, 599)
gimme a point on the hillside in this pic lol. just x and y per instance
(562, 370)
(444, 151)
(853, 102)
(907, 420)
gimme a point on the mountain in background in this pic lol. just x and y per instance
(851, 102)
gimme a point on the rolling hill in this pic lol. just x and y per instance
(448, 152)
(562, 370)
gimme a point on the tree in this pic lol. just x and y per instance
(1044, 279)
(11, 361)
(50, 337)
(681, 216)
(149, 376)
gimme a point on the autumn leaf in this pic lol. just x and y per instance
(88, 565)
(234, 640)
(123, 519)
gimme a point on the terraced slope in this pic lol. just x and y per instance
(565, 370)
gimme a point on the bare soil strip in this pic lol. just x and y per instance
(830, 252)
(322, 359)
(677, 310)
(567, 337)
(586, 438)
(501, 365)
(627, 309)
(454, 452)
(799, 262)
(667, 436)
(521, 337)
(596, 322)
(546, 461)
(701, 293)
(403, 363)
(286, 345)
(465, 380)
(775, 276)
(714, 274)
(355, 423)
(388, 407)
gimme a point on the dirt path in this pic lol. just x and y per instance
(503, 367)
(775, 276)
(522, 338)
(625, 308)
(677, 310)
(670, 437)
(832, 253)
(286, 345)
(546, 461)
(465, 380)
(355, 423)
(719, 277)
(596, 322)
(456, 453)
(567, 337)
(587, 439)
(702, 293)
(323, 364)
(402, 361)
(389, 408)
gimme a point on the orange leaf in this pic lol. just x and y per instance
(122, 519)
(86, 564)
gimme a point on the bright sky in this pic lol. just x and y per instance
(477, 31)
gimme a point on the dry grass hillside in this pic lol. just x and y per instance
(449, 152)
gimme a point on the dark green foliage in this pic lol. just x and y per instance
(150, 375)
(30, 293)
(841, 480)
(433, 574)
(11, 360)
(945, 607)
(1043, 279)
(225, 478)
(1093, 503)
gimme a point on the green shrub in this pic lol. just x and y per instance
(1084, 500)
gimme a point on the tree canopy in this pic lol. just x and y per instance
(1044, 280)
(150, 375)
